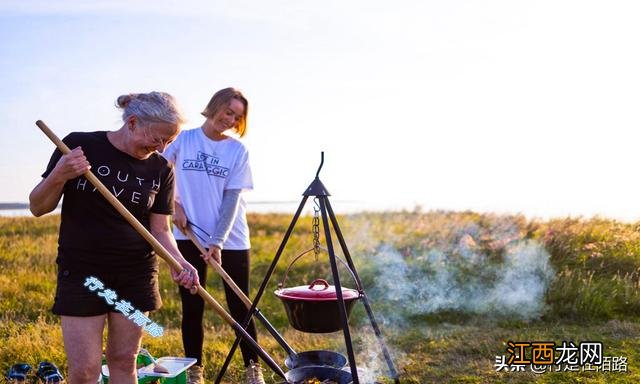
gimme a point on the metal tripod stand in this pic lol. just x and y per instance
(318, 190)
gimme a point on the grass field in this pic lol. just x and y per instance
(449, 289)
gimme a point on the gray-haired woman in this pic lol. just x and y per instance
(107, 273)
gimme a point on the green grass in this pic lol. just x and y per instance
(449, 290)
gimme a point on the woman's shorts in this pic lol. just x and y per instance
(81, 293)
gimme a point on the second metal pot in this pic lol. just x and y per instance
(318, 358)
(300, 375)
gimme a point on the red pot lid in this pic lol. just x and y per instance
(318, 290)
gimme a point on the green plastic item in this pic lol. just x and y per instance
(141, 360)
(177, 367)
(180, 379)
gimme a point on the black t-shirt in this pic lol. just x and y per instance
(93, 235)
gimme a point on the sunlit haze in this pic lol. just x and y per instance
(494, 106)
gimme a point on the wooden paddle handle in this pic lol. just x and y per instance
(247, 302)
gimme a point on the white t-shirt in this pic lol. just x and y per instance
(204, 168)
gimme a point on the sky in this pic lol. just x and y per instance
(505, 106)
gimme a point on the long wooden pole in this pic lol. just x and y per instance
(160, 250)
(247, 302)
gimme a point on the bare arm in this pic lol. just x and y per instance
(179, 217)
(46, 195)
(160, 229)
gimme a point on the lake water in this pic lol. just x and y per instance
(18, 212)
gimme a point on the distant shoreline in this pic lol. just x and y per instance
(341, 207)
(4, 206)
(22, 209)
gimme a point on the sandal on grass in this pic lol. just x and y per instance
(18, 372)
(49, 373)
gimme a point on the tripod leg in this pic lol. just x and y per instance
(336, 280)
(265, 281)
(365, 300)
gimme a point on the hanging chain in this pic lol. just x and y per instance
(315, 229)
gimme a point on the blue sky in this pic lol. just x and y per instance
(494, 106)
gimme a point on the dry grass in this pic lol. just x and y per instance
(593, 294)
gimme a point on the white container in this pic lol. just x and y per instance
(175, 365)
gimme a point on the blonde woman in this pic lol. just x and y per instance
(212, 170)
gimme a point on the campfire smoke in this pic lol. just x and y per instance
(461, 280)
(486, 270)
(498, 275)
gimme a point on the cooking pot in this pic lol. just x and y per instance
(314, 308)
(299, 375)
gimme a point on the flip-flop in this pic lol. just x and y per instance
(18, 372)
(49, 373)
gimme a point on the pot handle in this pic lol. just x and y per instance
(319, 281)
(286, 273)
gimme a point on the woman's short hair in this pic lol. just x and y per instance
(221, 99)
(152, 107)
